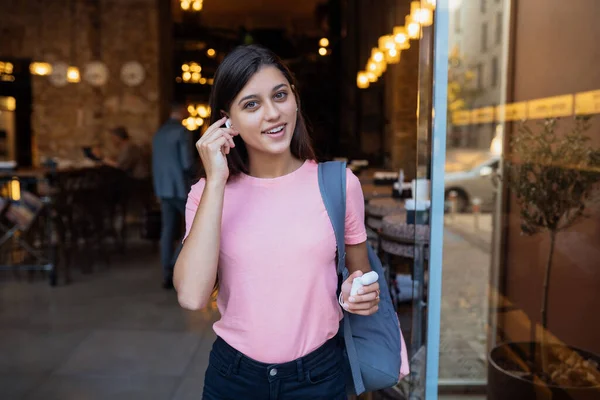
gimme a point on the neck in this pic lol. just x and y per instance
(269, 166)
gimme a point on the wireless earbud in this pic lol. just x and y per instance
(228, 123)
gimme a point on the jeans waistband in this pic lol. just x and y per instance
(328, 351)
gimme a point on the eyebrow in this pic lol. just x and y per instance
(251, 96)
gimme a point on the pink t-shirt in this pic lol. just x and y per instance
(277, 273)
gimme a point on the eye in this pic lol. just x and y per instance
(251, 104)
(280, 95)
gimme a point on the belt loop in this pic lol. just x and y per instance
(300, 368)
(236, 362)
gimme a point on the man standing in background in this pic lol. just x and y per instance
(172, 162)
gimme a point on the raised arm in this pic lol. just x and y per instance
(196, 267)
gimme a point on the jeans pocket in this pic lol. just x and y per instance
(324, 372)
(221, 366)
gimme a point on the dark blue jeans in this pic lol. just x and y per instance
(233, 376)
(172, 210)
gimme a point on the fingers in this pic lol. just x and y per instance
(207, 139)
(228, 136)
(365, 298)
(221, 143)
(374, 287)
(215, 126)
(372, 310)
(365, 303)
(348, 282)
(353, 275)
(230, 140)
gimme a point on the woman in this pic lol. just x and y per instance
(257, 227)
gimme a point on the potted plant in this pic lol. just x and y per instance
(554, 177)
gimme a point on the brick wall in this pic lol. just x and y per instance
(77, 32)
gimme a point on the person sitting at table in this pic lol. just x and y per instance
(130, 157)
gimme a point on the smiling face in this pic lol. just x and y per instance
(264, 112)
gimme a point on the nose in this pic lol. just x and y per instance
(272, 112)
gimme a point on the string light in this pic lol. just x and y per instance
(401, 38)
(391, 46)
(6, 68)
(198, 113)
(362, 80)
(430, 4)
(422, 16)
(192, 73)
(191, 5)
(203, 111)
(386, 43)
(73, 75)
(412, 28)
(40, 68)
(194, 67)
(324, 42)
(392, 56)
(8, 103)
(376, 55)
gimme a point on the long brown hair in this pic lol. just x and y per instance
(232, 75)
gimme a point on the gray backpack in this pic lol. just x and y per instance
(373, 343)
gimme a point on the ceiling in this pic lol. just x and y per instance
(305, 7)
(259, 14)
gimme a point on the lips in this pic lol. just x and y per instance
(274, 130)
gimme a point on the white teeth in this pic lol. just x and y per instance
(276, 129)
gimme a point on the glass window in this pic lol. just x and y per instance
(457, 21)
(499, 28)
(484, 36)
(521, 277)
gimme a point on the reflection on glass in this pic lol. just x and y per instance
(552, 175)
(474, 147)
(521, 276)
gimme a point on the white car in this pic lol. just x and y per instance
(475, 182)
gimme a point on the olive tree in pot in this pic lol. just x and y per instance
(554, 177)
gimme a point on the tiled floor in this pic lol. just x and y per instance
(116, 334)
(464, 309)
(113, 334)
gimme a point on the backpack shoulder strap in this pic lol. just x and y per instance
(332, 183)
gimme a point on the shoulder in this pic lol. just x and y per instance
(352, 181)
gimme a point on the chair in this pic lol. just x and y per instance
(411, 242)
(27, 239)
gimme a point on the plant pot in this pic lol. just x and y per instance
(508, 385)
